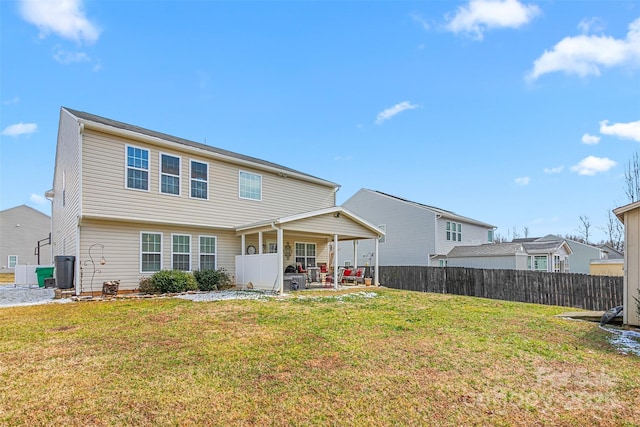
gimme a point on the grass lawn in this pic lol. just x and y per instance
(388, 357)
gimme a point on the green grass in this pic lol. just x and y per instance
(399, 358)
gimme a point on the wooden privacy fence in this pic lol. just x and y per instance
(564, 289)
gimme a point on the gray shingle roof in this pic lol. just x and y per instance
(442, 212)
(230, 154)
(488, 249)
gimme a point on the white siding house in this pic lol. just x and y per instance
(416, 234)
(143, 201)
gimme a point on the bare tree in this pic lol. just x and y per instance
(526, 232)
(614, 231)
(515, 233)
(632, 179)
(585, 228)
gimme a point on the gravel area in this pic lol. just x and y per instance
(14, 296)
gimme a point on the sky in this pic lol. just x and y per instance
(520, 114)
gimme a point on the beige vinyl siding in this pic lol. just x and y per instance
(66, 180)
(632, 266)
(328, 225)
(122, 250)
(104, 192)
(322, 246)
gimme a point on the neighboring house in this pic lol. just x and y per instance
(134, 201)
(629, 215)
(610, 253)
(415, 233)
(21, 228)
(549, 256)
(581, 254)
(607, 267)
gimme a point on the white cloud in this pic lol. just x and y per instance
(12, 101)
(66, 18)
(20, 129)
(592, 165)
(590, 139)
(629, 130)
(65, 57)
(396, 109)
(591, 25)
(557, 169)
(523, 180)
(420, 20)
(37, 199)
(584, 55)
(342, 158)
(479, 16)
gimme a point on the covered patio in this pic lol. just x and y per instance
(305, 243)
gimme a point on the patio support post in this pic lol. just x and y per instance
(375, 269)
(242, 245)
(355, 254)
(335, 261)
(260, 243)
(280, 279)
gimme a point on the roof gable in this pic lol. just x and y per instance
(219, 152)
(441, 212)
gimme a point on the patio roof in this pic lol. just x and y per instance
(316, 222)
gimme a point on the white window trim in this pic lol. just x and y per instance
(295, 255)
(160, 173)
(126, 168)
(9, 261)
(215, 254)
(182, 253)
(141, 253)
(197, 180)
(383, 239)
(240, 172)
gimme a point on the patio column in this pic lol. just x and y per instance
(242, 245)
(375, 269)
(335, 261)
(355, 254)
(260, 242)
(280, 246)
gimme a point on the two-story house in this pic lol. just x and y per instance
(129, 201)
(415, 233)
(24, 238)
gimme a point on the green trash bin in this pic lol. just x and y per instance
(43, 273)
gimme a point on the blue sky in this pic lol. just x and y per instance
(519, 114)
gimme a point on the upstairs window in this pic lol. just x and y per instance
(454, 231)
(250, 185)
(383, 227)
(490, 236)
(137, 168)
(199, 180)
(169, 174)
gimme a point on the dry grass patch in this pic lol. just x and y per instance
(398, 358)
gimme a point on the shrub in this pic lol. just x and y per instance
(173, 281)
(145, 286)
(212, 280)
